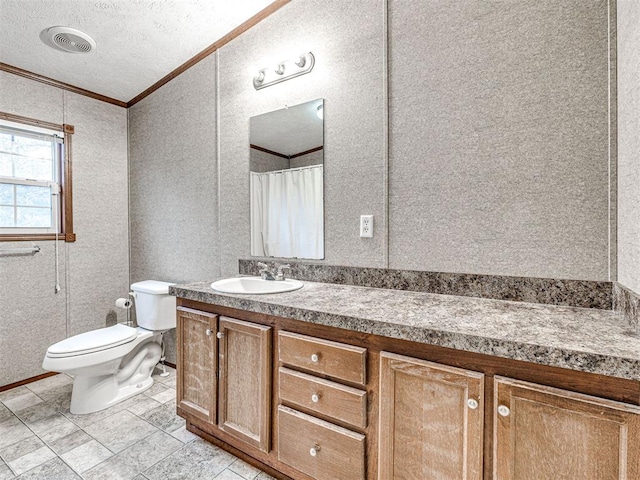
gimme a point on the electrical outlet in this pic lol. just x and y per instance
(366, 226)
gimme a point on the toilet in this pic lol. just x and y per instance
(112, 364)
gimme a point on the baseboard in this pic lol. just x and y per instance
(27, 380)
(48, 374)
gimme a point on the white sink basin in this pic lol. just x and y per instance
(255, 285)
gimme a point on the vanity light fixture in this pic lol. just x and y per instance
(284, 71)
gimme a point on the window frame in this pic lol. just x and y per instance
(65, 182)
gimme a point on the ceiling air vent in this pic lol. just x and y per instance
(67, 39)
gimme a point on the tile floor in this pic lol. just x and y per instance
(141, 438)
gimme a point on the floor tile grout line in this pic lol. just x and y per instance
(182, 445)
(135, 443)
(21, 440)
(14, 412)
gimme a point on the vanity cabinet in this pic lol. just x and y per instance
(197, 363)
(313, 402)
(544, 432)
(244, 401)
(431, 420)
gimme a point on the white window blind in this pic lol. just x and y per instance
(30, 168)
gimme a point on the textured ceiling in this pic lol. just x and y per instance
(138, 41)
(289, 130)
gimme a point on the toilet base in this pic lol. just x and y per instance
(85, 401)
(94, 393)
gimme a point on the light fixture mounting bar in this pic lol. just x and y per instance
(284, 71)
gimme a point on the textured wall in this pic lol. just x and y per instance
(629, 144)
(499, 137)
(94, 270)
(98, 262)
(173, 179)
(32, 316)
(349, 75)
(173, 182)
(266, 162)
(313, 158)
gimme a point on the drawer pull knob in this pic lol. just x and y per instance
(219, 334)
(313, 451)
(315, 357)
(472, 403)
(208, 332)
(315, 398)
(504, 410)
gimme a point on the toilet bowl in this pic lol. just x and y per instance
(112, 364)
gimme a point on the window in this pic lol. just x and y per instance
(35, 179)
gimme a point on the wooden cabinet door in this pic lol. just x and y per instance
(196, 363)
(546, 433)
(245, 381)
(431, 421)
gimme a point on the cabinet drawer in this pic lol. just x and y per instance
(346, 404)
(318, 448)
(333, 359)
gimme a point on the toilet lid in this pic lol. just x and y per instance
(93, 341)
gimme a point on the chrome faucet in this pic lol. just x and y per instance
(267, 274)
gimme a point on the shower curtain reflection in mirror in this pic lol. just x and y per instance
(287, 213)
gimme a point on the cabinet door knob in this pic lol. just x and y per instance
(472, 403)
(315, 398)
(315, 357)
(313, 451)
(219, 334)
(504, 411)
(208, 332)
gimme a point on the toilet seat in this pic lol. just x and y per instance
(94, 341)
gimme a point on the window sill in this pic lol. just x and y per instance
(67, 237)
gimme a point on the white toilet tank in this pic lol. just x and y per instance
(155, 308)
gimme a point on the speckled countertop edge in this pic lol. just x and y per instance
(589, 340)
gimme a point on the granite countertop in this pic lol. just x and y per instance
(590, 340)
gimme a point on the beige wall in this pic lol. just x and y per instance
(266, 162)
(629, 144)
(499, 130)
(173, 179)
(498, 135)
(94, 270)
(313, 158)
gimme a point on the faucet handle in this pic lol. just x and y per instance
(263, 266)
(280, 274)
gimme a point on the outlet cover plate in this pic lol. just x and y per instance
(366, 226)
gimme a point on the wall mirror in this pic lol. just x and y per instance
(286, 182)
